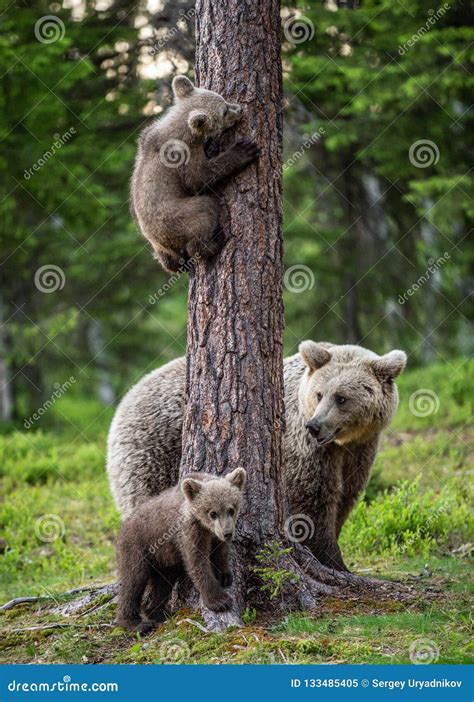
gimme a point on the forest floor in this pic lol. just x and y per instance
(58, 525)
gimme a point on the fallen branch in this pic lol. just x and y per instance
(22, 600)
(68, 607)
(44, 598)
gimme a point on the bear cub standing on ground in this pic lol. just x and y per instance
(185, 529)
(173, 176)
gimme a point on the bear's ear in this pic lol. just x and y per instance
(198, 121)
(191, 488)
(314, 355)
(182, 87)
(238, 478)
(389, 366)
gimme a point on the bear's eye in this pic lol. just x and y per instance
(231, 512)
(213, 515)
(319, 395)
(340, 399)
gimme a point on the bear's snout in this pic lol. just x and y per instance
(314, 427)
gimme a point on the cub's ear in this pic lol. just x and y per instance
(389, 366)
(314, 355)
(238, 478)
(191, 488)
(182, 87)
(198, 121)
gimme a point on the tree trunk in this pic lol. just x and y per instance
(6, 396)
(350, 253)
(430, 291)
(234, 414)
(96, 343)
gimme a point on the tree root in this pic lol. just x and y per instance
(340, 581)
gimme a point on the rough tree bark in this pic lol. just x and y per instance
(234, 413)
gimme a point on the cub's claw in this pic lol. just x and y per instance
(246, 151)
(134, 626)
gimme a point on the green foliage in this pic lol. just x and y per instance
(362, 214)
(273, 576)
(64, 203)
(407, 520)
(451, 405)
(59, 523)
(249, 615)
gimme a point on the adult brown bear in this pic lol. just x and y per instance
(338, 399)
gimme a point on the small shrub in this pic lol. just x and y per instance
(249, 616)
(273, 576)
(409, 521)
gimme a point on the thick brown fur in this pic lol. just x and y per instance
(324, 474)
(172, 191)
(184, 530)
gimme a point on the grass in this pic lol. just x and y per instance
(58, 527)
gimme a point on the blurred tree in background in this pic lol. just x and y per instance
(376, 223)
(385, 192)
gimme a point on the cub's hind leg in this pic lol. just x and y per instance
(158, 593)
(170, 262)
(195, 226)
(133, 579)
